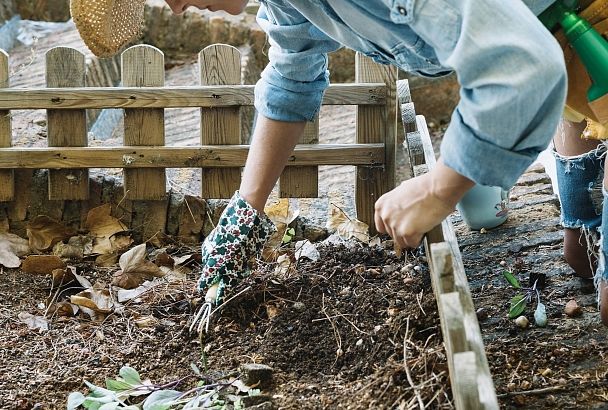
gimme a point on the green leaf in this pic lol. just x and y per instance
(540, 315)
(130, 375)
(518, 304)
(511, 279)
(117, 385)
(161, 400)
(75, 399)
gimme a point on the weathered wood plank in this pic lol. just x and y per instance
(65, 67)
(144, 66)
(7, 178)
(182, 157)
(375, 124)
(302, 182)
(220, 64)
(441, 257)
(170, 97)
(422, 152)
(466, 381)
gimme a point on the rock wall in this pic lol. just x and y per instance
(7, 10)
(44, 10)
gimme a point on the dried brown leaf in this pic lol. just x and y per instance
(135, 269)
(98, 301)
(281, 213)
(346, 227)
(44, 232)
(42, 264)
(103, 226)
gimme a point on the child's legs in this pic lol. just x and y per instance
(579, 166)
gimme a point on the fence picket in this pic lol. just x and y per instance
(375, 124)
(220, 64)
(144, 66)
(65, 67)
(7, 179)
(302, 182)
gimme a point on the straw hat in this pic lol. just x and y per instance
(106, 26)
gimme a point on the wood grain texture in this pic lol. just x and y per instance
(375, 124)
(65, 67)
(182, 157)
(422, 158)
(220, 64)
(143, 66)
(7, 178)
(170, 97)
(302, 182)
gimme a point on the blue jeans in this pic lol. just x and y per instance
(583, 200)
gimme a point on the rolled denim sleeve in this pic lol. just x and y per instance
(291, 86)
(513, 83)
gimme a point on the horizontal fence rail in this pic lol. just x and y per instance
(170, 97)
(216, 156)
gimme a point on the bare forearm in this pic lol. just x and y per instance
(273, 143)
(448, 185)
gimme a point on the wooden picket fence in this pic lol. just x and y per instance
(220, 96)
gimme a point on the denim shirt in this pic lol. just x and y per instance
(510, 69)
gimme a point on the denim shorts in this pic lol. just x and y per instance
(584, 200)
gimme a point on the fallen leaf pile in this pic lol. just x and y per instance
(51, 248)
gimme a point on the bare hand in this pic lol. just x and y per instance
(417, 205)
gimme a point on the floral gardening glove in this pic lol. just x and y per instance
(239, 235)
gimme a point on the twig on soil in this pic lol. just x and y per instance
(407, 369)
(531, 392)
(419, 299)
(334, 328)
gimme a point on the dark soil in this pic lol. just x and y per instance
(332, 330)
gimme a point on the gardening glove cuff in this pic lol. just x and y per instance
(240, 235)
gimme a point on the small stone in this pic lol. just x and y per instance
(377, 328)
(482, 314)
(392, 311)
(572, 309)
(483, 230)
(417, 268)
(345, 291)
(272, 311)
(562, 381)
(257, 374)
(388, 269)
(503, 263)
(359, 342)
(522, 322)
(511, 386)
(299, 306)
(339, 352)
